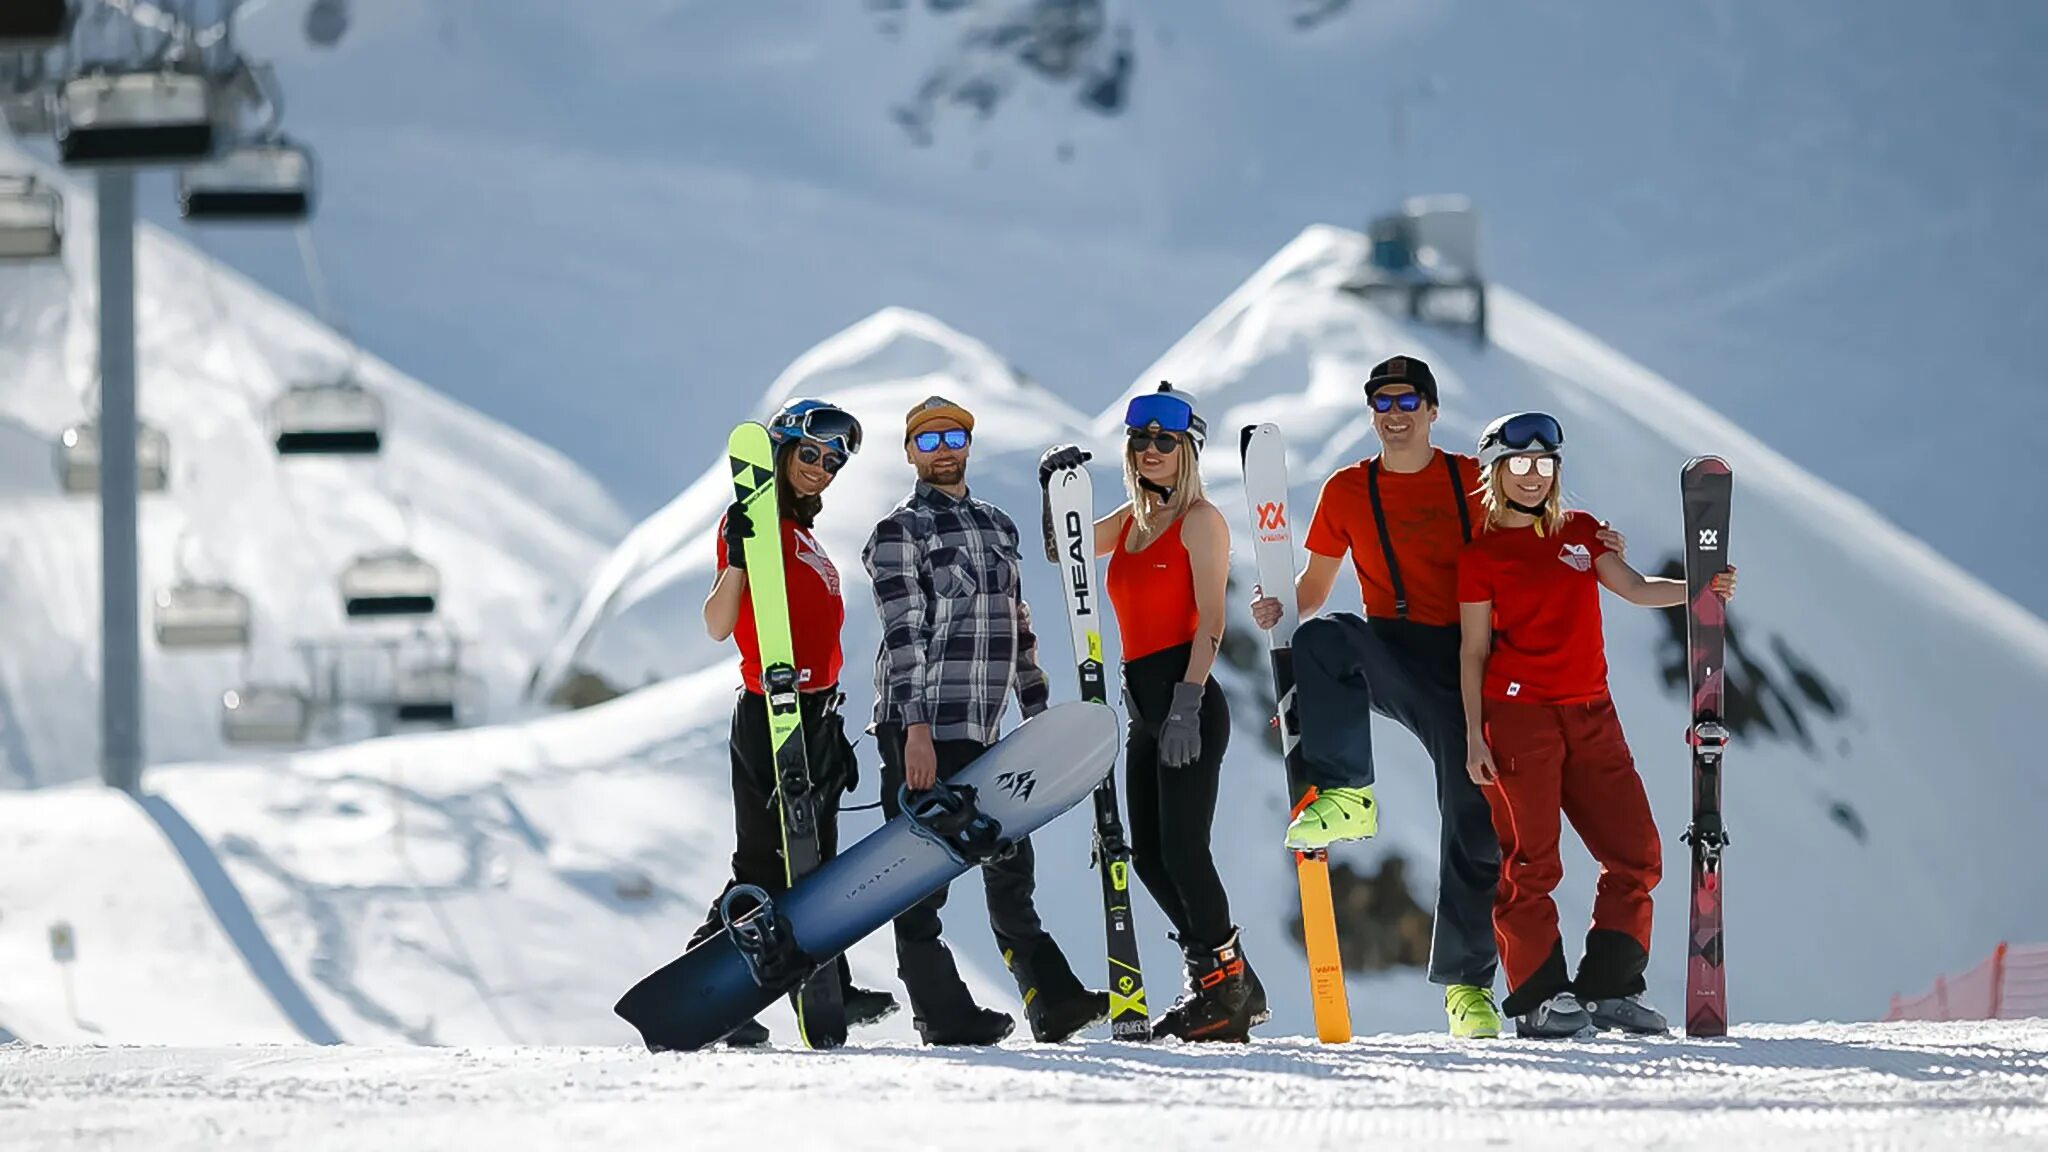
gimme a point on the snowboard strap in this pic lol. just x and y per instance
(1379, 521)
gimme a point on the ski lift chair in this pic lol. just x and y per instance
(254, 183)
(190, 614)
(31, 219)
(1446, 231)
(34, 24)
(394, 582)
(265, 714)
(339, 419)
(154, 116)
(425, 693)
(78, 458)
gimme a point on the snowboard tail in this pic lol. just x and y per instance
(1044, 767)
(1706, 485)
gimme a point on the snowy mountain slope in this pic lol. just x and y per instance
(490, 886)
(630, 212)
(1914, 1086)
(510, 524)
(1879, 776)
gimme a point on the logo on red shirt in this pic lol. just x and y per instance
(1577, 556)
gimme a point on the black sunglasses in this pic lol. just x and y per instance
(831, 462)
(954, 438)
(1385, 401)
(1164, 443)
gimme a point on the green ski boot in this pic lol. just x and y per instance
(1473, 1016)
(1334, 815)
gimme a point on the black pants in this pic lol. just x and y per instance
(1172, 809)
(937, 994)
(756, 814)
(1346, 668)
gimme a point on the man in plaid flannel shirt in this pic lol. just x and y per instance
(956, 639)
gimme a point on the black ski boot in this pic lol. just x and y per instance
(1224, 999)
(979, 1026)
(866, 1006)
(1055, 1003)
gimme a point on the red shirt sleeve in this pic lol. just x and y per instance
(1475, 576)
(1584, 528)
(1328, 533)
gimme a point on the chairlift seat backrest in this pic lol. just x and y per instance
(78, 458)
(1446, 230)
(393, 583)
(195, 615)
(31, 219)
(33, 24)
(149, 117)
(327, 420)
(265, 714)
(425, 694)
(256, 183)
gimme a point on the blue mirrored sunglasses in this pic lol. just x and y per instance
(954, 438)
(1388, 401)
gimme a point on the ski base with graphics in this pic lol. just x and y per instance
(1044, 767)
(1264, 456)
(1706, 485)
(1071, 498)
(820, 1005)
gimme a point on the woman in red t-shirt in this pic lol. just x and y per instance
(1169, 562)
(813, 441)
(1543, 738)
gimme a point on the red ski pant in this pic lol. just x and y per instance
(1569, 759)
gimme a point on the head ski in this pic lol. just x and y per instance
(1705, 483)
(820, 1009)
(1264, 456)
(1071, 498)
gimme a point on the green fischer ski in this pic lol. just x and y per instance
(820, 1009)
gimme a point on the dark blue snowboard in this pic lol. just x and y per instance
(1049, 764)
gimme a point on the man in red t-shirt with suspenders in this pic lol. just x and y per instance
(1402, 516)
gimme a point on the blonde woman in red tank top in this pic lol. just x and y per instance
(1169, 559)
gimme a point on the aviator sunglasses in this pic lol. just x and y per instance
(1164, 443)
(1520, 465)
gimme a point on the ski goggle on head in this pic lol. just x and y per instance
(1522, 432)
(1158, 412)
(833, 427)
(954, 438)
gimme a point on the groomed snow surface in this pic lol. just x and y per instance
(1777, 1086)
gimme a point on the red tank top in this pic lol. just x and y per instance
(1153, 593)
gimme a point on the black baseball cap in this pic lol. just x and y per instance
(1402, 370)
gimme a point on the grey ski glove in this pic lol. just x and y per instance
(1180, 738)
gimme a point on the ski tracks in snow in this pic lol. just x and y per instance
(1783, 1086)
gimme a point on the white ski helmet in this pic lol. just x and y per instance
(1520, 433)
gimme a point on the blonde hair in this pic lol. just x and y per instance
(1187, 487)
(1493, 495)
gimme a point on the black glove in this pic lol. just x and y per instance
(1061, 456)
(738, 530)
(1180, 738)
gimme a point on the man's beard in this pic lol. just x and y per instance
(946, 472)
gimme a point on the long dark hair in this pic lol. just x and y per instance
(802, 509)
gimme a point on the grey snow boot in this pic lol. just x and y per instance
(1627, 1014)
(1558, 1018)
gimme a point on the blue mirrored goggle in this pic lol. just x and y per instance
(1169, 412)
(954, 438)
(1531, 430)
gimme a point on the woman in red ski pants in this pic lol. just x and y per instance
(1543, 741)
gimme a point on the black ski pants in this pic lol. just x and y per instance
(756, 813)
(1346, 668)
(938, 996)
(1172, 809)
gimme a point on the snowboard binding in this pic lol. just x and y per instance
(764, 939)
(945, 815)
